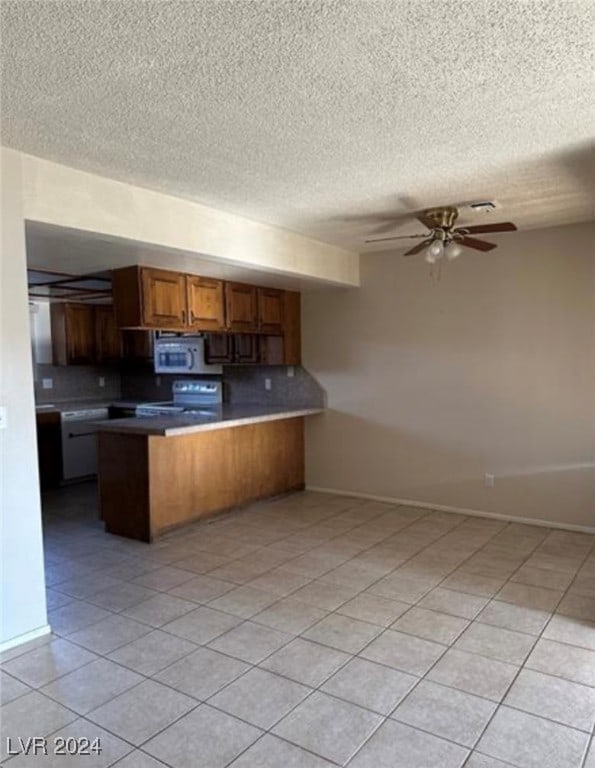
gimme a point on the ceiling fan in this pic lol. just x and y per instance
(444, 239)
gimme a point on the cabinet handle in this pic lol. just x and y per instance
(192, 316)
(184, 316)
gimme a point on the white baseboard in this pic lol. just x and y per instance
(26, 638)
(458, 510)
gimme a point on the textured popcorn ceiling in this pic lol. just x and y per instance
(309, 114)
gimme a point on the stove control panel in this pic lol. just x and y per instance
(197, 392)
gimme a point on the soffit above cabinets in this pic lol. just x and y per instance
(72, 253)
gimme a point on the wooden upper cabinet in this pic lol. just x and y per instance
(146, 298)
(232, 348)
(270, 311)
(163, 298)
(108, 342)
(206, 303)
(73, 333)
(241, 306)
(83, 334)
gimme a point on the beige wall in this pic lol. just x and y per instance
(490, 370)
(22, 594)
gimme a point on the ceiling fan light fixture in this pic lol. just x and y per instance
(453, 251)
(434, 252)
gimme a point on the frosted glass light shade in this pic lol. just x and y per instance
(453, 251)
(434, 252)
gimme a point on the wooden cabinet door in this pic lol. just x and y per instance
(218, 348)
(163, 298)
(272, 350)
(245, 348)
(108, 342)
(241, 307)
(137, 346)
(206, 305)
(80, 333)
(270, 311)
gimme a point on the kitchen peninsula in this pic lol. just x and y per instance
(157, 473)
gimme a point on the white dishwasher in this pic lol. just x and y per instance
(79, 441)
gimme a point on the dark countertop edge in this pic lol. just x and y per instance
(73, 405)
(133, 426)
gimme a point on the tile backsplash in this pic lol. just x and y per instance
(246, 384)
(242, 384)
(76, 382)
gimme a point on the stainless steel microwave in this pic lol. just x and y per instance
(182, 354)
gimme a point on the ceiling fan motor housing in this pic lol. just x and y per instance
(442, 217)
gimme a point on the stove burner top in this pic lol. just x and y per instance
(165, 409)
(191, 397)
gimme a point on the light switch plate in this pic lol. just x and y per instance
(268, 384)
(3, 418)
(47, 383)
(102, 381)
(290, 371)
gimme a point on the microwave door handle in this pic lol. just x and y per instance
(190, 359)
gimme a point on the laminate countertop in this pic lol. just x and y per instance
(230, 415)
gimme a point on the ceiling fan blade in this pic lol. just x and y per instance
(428, 223)
(372, 218)
(502, 226)
(418, 248)
(390, 224)
(394, 237)
(473, 242)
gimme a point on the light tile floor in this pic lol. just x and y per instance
(310, 631)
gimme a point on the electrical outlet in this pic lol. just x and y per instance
(3, 423)
(268, 384)
(489, 480)
(47, 383)
(102, 381)
(157, 381)
(290, 371)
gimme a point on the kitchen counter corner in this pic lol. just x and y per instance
(230, 415)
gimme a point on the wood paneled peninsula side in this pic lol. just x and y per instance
(158, 473)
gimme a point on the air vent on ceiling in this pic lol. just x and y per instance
(483, 206)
